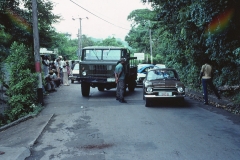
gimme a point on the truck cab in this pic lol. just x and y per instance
(97, 66)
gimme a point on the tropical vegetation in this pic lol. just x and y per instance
(184, 32)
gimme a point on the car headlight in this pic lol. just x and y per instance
(180, 89)
(149, 89)
(148, 83)
(84, 73)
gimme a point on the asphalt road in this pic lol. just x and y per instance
(101, 128)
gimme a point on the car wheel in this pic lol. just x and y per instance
(131, 86)
(72, 81)
(147, 102)
(182, 101)
(143, 95)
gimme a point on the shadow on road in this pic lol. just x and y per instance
(169, 103)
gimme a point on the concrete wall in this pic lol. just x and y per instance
(3, 96)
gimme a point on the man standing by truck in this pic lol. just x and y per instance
(120, 80)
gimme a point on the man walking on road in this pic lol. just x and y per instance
(206, 80)
(120, 80)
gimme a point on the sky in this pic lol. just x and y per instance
(106, 18)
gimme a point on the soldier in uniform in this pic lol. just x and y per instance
(120, 80)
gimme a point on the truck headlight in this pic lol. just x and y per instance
(84, 73)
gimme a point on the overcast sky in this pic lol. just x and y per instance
(106, 18)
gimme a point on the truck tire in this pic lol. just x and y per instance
(131, 86)
(85, 89)
(100, 88)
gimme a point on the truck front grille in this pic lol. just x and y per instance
(99, 69)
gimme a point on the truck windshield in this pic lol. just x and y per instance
(111, 54)
(103, 54)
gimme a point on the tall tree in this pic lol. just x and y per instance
(190, 30)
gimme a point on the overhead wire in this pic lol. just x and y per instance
(98, 16)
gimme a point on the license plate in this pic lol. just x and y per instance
(111, 80)
(165, 93)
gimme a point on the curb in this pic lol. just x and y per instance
(42, 129)
(223, 103)
(17, 122)
(24, 151)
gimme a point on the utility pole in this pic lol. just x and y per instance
(80, 36)
(36, 51)
(79, 44)
(150, 41)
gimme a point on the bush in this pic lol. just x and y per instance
(22, 90)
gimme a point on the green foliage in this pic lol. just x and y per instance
(22, 84)
(4, 39)
(182, 35)
(17, 22)
(236, 98)
(68, 47)
(110, 42)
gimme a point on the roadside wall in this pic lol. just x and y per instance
(3, 97)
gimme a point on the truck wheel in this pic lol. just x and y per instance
(100, 88)
(131, 86)
(85, 89)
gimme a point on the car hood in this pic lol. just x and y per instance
(141, 74)
(75, 72)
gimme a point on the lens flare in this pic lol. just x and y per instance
(219, 23)
(19, 21)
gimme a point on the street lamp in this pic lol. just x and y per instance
(80, 37)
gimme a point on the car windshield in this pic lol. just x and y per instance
(102, 54)
(161, 74)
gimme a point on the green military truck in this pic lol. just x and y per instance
(97, 66)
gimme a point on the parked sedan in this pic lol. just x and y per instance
(162, 83)
(142, 71)
(75, 74)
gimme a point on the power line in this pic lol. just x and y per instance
(99, 17)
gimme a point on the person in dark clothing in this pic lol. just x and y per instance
(120, 80)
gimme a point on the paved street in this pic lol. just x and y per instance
(101, 128)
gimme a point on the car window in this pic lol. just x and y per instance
(161, 74)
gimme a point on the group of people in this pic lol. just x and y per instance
(55, 72)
